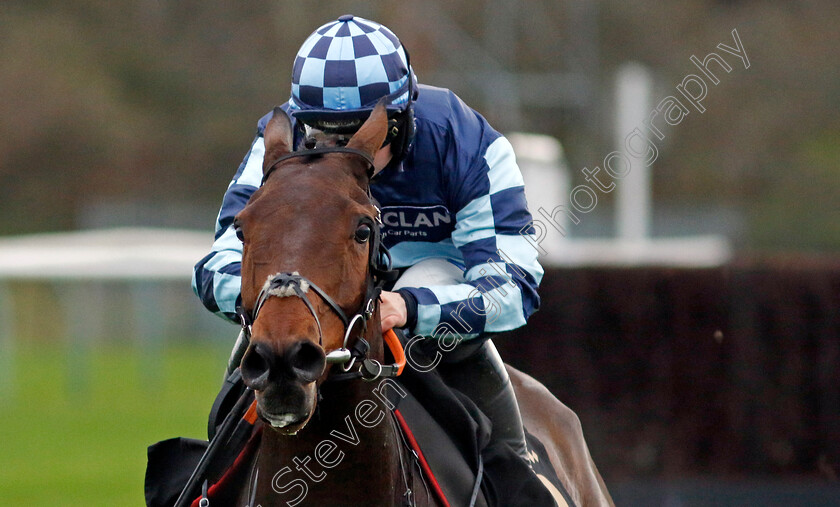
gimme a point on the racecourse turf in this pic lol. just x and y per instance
(79, 439)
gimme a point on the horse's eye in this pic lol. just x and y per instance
(363, 233)
(237, 228)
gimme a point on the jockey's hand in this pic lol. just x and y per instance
(392, 310)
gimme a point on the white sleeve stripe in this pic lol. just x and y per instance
(428, 316)
(222, 259)
(503, 172)
(252, 174)
(519, 251)
(228, 241)
(474, 221)
(503, 313)
(228, 249)
(409, 253)
(226, 288)
(451, 293)
(492, 268)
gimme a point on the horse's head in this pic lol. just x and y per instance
(307, 235)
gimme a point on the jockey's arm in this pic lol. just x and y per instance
(217, 277)
(501, 275)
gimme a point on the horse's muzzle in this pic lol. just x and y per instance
(302, 362)
(284, 382)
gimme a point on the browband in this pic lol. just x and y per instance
(317, 152)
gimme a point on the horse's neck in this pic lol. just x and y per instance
(346, 455)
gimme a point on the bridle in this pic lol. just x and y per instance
(317, 152)
(296, 285)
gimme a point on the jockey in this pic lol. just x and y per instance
(452, 201)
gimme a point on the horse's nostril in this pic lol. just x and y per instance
(256, 366)
(307, 361)
(304, 361)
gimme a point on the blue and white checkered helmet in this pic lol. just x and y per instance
(344, 68)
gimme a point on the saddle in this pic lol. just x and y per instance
(444, 431)
(454, 436)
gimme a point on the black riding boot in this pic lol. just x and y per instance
(481, 375)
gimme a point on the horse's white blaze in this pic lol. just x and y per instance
(286, 291)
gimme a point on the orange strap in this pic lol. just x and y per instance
(396, 349)
(251, 413)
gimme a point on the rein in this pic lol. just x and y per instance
(379, 272)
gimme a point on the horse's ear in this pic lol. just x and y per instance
(278, 137)
(372, 133)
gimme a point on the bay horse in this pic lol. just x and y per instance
(310, 236)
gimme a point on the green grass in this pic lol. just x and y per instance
(69, 440)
